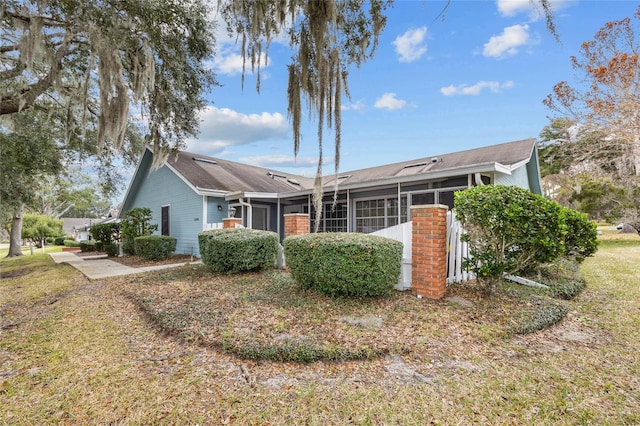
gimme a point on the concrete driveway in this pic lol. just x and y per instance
(98, 267)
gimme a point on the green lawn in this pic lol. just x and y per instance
(79, 352)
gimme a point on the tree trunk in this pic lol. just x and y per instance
(15, 240)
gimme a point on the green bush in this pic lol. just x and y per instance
(347, 264)
(581, 240)
(71, 243)
(106, 232)
(154, 247)
(509, 229)
(99, 245)
(239, 249)
(111, 249)
(59, 241)
(135, 223)
(50, 240)
(87, 245)
(540, 313)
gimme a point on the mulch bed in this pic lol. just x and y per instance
(137, 261)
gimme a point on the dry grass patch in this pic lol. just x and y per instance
(267, 316)
(92, 358)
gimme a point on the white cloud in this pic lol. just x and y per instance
(507, 43)
(410, 46)
(476, 89)
(353, 106)
(279, 161)
(222, 127)
(228, 62)
(389, 101)
(510, 8)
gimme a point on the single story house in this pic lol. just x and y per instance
(191, 193)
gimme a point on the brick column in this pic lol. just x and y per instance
(296, 224)
(231, 222)
(429, 251)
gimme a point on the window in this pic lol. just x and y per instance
(334, 218)
(374, 215)
(165, 221)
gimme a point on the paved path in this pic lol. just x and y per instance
(97, 267)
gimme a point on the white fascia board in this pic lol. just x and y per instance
(242, 194)
(456, 171)
(520, 164)
(504, 169)
(133, 177)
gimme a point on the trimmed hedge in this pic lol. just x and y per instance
(581, 239)
(154, 247)
(59, 241)
(238, 249)
(344, 264)
(111, 249)
(71, 243)
(87, 245)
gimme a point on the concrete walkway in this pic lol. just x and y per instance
(98, 267)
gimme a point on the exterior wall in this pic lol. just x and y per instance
(162, 187)
(519, 177)
(213, 214)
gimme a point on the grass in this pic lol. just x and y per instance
(27, 251)
(93, 357)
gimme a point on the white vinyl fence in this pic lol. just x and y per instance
(456, 251)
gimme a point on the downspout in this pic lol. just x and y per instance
(248, 206)
(478, 179)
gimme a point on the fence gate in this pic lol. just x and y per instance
(456, 251)
(401, 233)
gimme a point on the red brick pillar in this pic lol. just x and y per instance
(231, 222)
(429, 251)
(296, 224)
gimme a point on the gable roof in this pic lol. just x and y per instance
(215, 176)
(503, 157)
(209, 173)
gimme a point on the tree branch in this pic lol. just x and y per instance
(17, 102)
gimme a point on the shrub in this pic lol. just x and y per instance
(87, 245)
(135, 223)
(106, 232)
(71, 243)
(344, 263)
(50, 240)
(540, 313)
(239, 249)
(59, 241)
(111, 249)
(581, 240)
(509, 229)
(155, 247)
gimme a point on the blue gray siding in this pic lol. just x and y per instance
(518, 177)
(213, 214)
(162, 187)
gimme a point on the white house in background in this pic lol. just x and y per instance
(191, 193)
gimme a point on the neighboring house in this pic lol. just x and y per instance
(192, 192)
(78, 227)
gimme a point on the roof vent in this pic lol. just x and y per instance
(408, 166)
(435, 159)
(344, 177)
(273, 175)
(293, 181)
(204, 160)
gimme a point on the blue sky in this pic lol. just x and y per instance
(475, 77)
